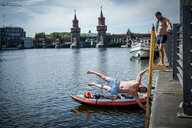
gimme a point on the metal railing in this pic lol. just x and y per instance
(169, 49)
(179, 53)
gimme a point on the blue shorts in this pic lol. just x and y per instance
(114, 86)
(161, 39)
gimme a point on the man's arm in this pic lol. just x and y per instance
(169, 24)
(140, 74)
(139, 102)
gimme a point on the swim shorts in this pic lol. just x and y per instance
(114, 86)
(161, 39)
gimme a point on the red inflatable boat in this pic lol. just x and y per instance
(122, 99)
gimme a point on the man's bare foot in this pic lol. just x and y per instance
(91, 84)
(90, 72)
(160, 63)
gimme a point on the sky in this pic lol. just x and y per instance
(57, 15)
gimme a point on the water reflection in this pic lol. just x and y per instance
(76, 68)
(102, 61)
(107, 110)
(104, 116)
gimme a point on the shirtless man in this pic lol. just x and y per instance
(161, 34)
(115, 86)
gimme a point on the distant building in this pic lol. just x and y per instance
(93, 34)
(12, 37)
(28, 42)
(90, 33)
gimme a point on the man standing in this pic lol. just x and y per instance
(161, 34)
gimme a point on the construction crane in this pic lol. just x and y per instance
(8, 4)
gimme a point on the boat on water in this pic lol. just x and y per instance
(122, 99)
(16, 48)
(123, 46)
(141, 50)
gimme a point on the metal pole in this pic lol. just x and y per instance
(187, 61)
(175, 50)
(147, 116)
(171, 50)
(151, 68)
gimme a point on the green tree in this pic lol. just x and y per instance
(53, 34)
(41, 34)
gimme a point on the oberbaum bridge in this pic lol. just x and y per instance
(102, 38)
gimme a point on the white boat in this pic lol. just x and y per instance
(141, 50)
(123, 46)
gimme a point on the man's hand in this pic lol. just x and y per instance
(139, 77)
(139, 102)
(90, 72)
(169, 31)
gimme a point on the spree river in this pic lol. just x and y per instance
(35, 87)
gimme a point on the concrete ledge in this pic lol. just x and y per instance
(165, 105)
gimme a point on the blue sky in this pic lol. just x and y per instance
(56, 15)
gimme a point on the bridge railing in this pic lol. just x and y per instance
(179, 53)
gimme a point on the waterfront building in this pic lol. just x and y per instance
(43, 41)
(12, 37)
(140, 38)
(91, 34)
(40, 40)
(75, 33)
(28, 42)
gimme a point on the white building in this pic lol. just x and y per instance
(28, 42)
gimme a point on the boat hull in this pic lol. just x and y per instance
(108, 102)
(141, 51)
(142, 54)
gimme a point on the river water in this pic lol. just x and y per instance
(35, 87)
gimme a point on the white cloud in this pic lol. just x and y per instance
(57, 15)
(29, 2)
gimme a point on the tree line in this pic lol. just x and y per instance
(57, 35)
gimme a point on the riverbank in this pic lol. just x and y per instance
(166, 101)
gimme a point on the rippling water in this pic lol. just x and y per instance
(35, 86)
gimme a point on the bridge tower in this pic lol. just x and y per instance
(101, 28)
(75, 33)
(128, 38)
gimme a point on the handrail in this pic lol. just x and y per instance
(182, 58)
